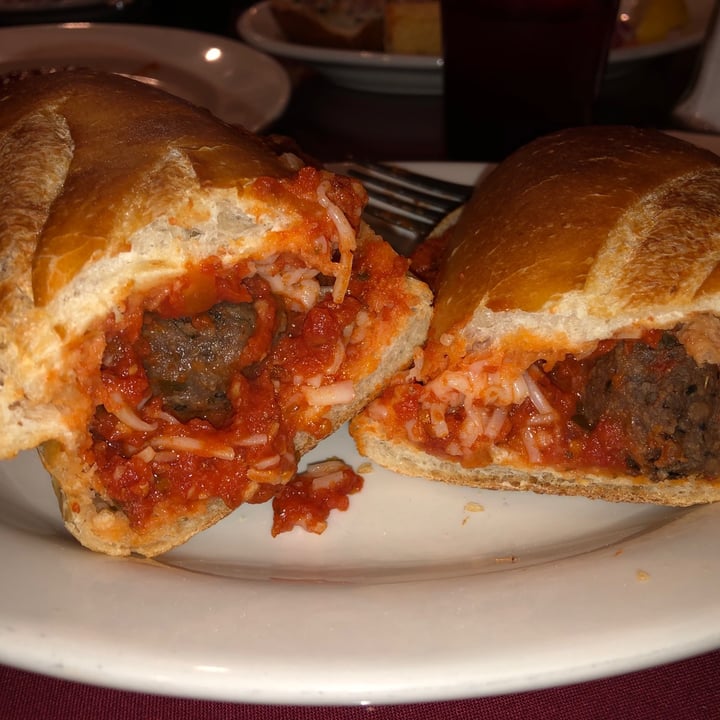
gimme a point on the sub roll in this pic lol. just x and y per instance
(183, 312)
(575, 343)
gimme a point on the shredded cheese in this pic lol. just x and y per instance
(192, 445)
(346, 242)
(337, 393)
(118, 407)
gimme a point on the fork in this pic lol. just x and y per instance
(403, 206)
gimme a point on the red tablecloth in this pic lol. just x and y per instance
(687, 690)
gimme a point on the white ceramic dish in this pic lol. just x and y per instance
(370, 71)
(415, 74)
(237, 83)
(421, 591)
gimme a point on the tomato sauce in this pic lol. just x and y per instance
(565, 442)
(301, 503)
(144, 464)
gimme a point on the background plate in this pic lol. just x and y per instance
(237, 83)
(422, 75)
(359, 70)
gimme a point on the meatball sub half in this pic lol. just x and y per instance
(183, 312)
(575, 342)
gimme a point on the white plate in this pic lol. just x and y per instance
(239, 84)
(359, 70)
(421, 591)
(419, 75)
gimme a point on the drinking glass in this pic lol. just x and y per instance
(518, 69)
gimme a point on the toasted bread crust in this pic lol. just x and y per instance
(71, 121)
(579, 220)
(398, 454)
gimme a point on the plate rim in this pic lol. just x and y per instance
(475, 657)
(244, 666)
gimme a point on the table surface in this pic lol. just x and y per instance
(333, 123)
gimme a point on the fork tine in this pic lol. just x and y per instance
(403, 204)
(422, 185)
(413, 193)
(396, 204)
(405, 223)
(403, 234)
(411, 198)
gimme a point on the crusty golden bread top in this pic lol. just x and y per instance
(111, 187)
(598, 222)
(99, 141)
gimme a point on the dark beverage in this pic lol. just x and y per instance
(517, 69)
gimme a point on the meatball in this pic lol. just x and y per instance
(189, 362)
(667, 404)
